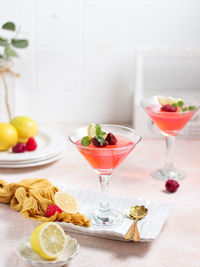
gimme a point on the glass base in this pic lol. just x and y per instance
(165, 174)
(110, 218)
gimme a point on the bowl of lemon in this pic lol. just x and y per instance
(48, 245)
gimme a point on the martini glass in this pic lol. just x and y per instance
(104, 160)
(169, 123)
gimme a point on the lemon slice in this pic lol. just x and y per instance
(168, 100)
(48, 240)
(91, 130)
(66, 202)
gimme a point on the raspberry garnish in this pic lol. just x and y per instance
(31, 144)
(168, 108)
(19, 148)
(98, 143)
(111, 139)
(171, 185)
(51, 210)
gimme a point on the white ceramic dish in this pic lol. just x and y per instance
(50, 142)
(26, 254)
(39, 162)
(149, 227)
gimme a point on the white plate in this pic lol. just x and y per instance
(50, 142)
(25, 253)
(149, 227)
(33, 164)
(10, 163)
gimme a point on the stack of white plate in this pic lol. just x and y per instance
(51, 147)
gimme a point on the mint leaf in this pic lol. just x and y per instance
(85, 141)
(174, 105)
(98, 129)
(101, 140)
(180, 104)
(19, 43)
(99, 132)
(10, 26)
(191, 108)
(183, 109)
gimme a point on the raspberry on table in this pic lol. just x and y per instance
(19, 148)
(31, 144)
(168, 108)
(52, 209)
(171, 185)
(111, 139)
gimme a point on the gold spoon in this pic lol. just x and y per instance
(136, 213)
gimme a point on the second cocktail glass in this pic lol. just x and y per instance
(169, 123)
(104, 161)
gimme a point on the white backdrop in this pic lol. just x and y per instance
(80, 64)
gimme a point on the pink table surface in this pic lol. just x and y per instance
(179, 241)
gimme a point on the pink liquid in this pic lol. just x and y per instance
(109, 157)
(169, 122)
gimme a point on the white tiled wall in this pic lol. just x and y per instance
(79, 66)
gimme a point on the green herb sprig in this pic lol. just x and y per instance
(9, 44)
(99, 132)
(178, 104)
(181, 105)
(86, 141)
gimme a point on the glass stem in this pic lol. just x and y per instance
(169, 140)
(104, 201)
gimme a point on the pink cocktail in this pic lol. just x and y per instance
(169, 122)
(104, 160)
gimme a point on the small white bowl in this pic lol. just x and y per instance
(25, 253)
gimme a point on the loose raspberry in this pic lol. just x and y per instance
(19, 148)
(96, 143)
(51, 210)
(31, 144)
(171, 185)
(168, 108)
(111, 139)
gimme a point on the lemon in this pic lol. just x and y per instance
(66, 202)
(8, 136)
(168, 100)
(48, 240)
(91, 131)
(26, 128)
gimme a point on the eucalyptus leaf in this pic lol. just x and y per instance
(19, 43)
(3, 41)
(10, 52)
(10, 26)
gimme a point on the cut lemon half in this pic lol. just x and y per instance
(168, 100)
(48, 240)
(66, 202)
(91, 131)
